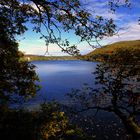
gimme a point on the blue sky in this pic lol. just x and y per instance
(125, 18)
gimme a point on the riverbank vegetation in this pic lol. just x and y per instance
(48, 123)
(37, 57)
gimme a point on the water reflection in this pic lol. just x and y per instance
(59, 77)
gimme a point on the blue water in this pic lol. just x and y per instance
(59, 77)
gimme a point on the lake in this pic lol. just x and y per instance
(59, 77)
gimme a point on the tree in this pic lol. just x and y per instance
(48, 123)
(16, 77)
(117, 91)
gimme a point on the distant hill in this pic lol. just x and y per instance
(97, 54)
(41, 57)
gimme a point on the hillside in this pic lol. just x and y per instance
(109, 49)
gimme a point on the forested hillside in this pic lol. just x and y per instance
(107, 50)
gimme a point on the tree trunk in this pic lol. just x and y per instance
(131, 126)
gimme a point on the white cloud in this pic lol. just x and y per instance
(101, 8)
(131, 32)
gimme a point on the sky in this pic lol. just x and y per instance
(125, 18)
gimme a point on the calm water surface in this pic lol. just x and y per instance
(61, 76)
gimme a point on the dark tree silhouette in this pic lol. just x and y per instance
(119, 93)
(16, 77)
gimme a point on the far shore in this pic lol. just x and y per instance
(41, 57)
